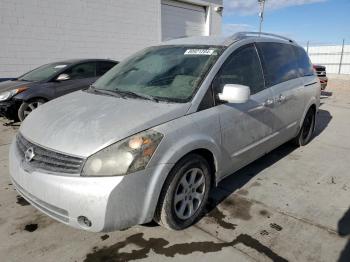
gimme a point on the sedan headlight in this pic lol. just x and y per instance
(9, 94)
(126, 156)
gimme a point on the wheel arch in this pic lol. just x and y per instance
(206, 152)
(30, 99)
(202, 152)
(210, 158)
(202, 145)
(311, 104)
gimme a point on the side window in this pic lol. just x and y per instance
(242, 67)
(84, 70)
(279, 62)
(103, 67)
(207, 101)
(304, 64)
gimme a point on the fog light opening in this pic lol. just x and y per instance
(84, 221)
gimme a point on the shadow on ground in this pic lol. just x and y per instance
(325, 94)
(344, 230)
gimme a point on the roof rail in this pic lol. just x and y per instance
(243, 35)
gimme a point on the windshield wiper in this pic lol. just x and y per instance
(134, 94)
(23, 79)
(104, 91)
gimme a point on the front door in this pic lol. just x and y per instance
(246, 128)
(80, 76)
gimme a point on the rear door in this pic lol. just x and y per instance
(307, 73)
(80, 76)
(245, 128)
(282, 76)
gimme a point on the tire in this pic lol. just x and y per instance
(27, 107)
(305, 134)
(174, 205)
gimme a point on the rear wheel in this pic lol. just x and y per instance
(27, 107)
(305, 134)
(184, 194)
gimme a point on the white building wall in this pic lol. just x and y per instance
(329, 56)
(35, 32)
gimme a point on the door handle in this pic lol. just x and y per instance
(281, 99)
(310, 84)
(268, 102)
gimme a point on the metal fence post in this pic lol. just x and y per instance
(341, 57)
(307, 47)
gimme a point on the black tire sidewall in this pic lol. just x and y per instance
(301, 140)
(167, 213)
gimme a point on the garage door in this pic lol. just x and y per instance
(181, 19)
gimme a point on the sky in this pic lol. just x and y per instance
(317, 21)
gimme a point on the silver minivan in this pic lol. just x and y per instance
(154, 134)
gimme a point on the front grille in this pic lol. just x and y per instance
(48, 160)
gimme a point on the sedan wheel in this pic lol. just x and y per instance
(26, 108)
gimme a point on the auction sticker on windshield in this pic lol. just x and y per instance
(199, 52)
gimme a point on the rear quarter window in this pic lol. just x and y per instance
(304, 64)
(279, 62)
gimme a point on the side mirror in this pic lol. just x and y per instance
(234, 93)
(63, 77)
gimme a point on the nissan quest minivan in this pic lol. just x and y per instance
(154, 134)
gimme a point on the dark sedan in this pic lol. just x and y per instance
(22, 95)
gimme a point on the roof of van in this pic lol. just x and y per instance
(224, 40)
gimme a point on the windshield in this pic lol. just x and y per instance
(44, 72)
(171, 73)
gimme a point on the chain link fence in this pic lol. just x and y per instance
(336, 57)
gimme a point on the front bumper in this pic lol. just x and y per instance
(110, 203)
(8, 109)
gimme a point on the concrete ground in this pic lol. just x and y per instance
(290, 205)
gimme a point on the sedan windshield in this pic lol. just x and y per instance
(43, 73)
(170, 73)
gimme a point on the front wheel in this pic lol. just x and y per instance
(305, 134)
(27, 107)
(184, 193)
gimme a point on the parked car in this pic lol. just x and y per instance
(153, 135)
(20, 96)
(322, 76)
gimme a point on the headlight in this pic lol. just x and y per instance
(8, 94)
(5, 95)
(127, 156)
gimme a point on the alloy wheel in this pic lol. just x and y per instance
(189, 193)
(30, 107)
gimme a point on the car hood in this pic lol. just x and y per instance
(10, 85)
(83, 123)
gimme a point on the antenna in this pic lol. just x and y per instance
(261, 13)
